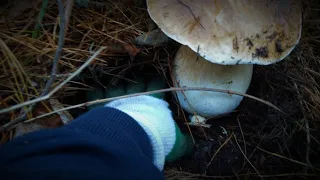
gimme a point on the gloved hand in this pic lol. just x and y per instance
(153, 115)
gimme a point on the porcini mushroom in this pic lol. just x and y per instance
(226, 32)
(193, 71)
(231, 31)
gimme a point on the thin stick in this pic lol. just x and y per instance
(54, 66)
(12, 123)
(131, 95)
(58, 51)
(154, 92)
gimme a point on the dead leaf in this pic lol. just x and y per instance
(122, 48)
(65, 116)
(131, 50)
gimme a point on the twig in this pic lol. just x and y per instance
(10, 124)
(235, 138)
(54, 66)
(154, 92)
(47, 96)
(218, 150)
(58, 87)
(58, 51)
(137, 94)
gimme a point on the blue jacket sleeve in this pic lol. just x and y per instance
(104, 143)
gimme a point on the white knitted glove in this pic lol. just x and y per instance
(155, 118)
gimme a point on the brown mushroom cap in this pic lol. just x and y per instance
(232, 31)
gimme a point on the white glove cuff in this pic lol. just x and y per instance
(154, 116)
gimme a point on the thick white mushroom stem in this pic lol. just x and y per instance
(191, 70)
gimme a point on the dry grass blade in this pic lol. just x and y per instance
(154, 92)
(144, 93)
(14, 122)
(55, 61)
(24, 77)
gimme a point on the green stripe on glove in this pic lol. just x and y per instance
(183, 144)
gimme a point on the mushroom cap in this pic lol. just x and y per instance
(191, 70)
(231, 31)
